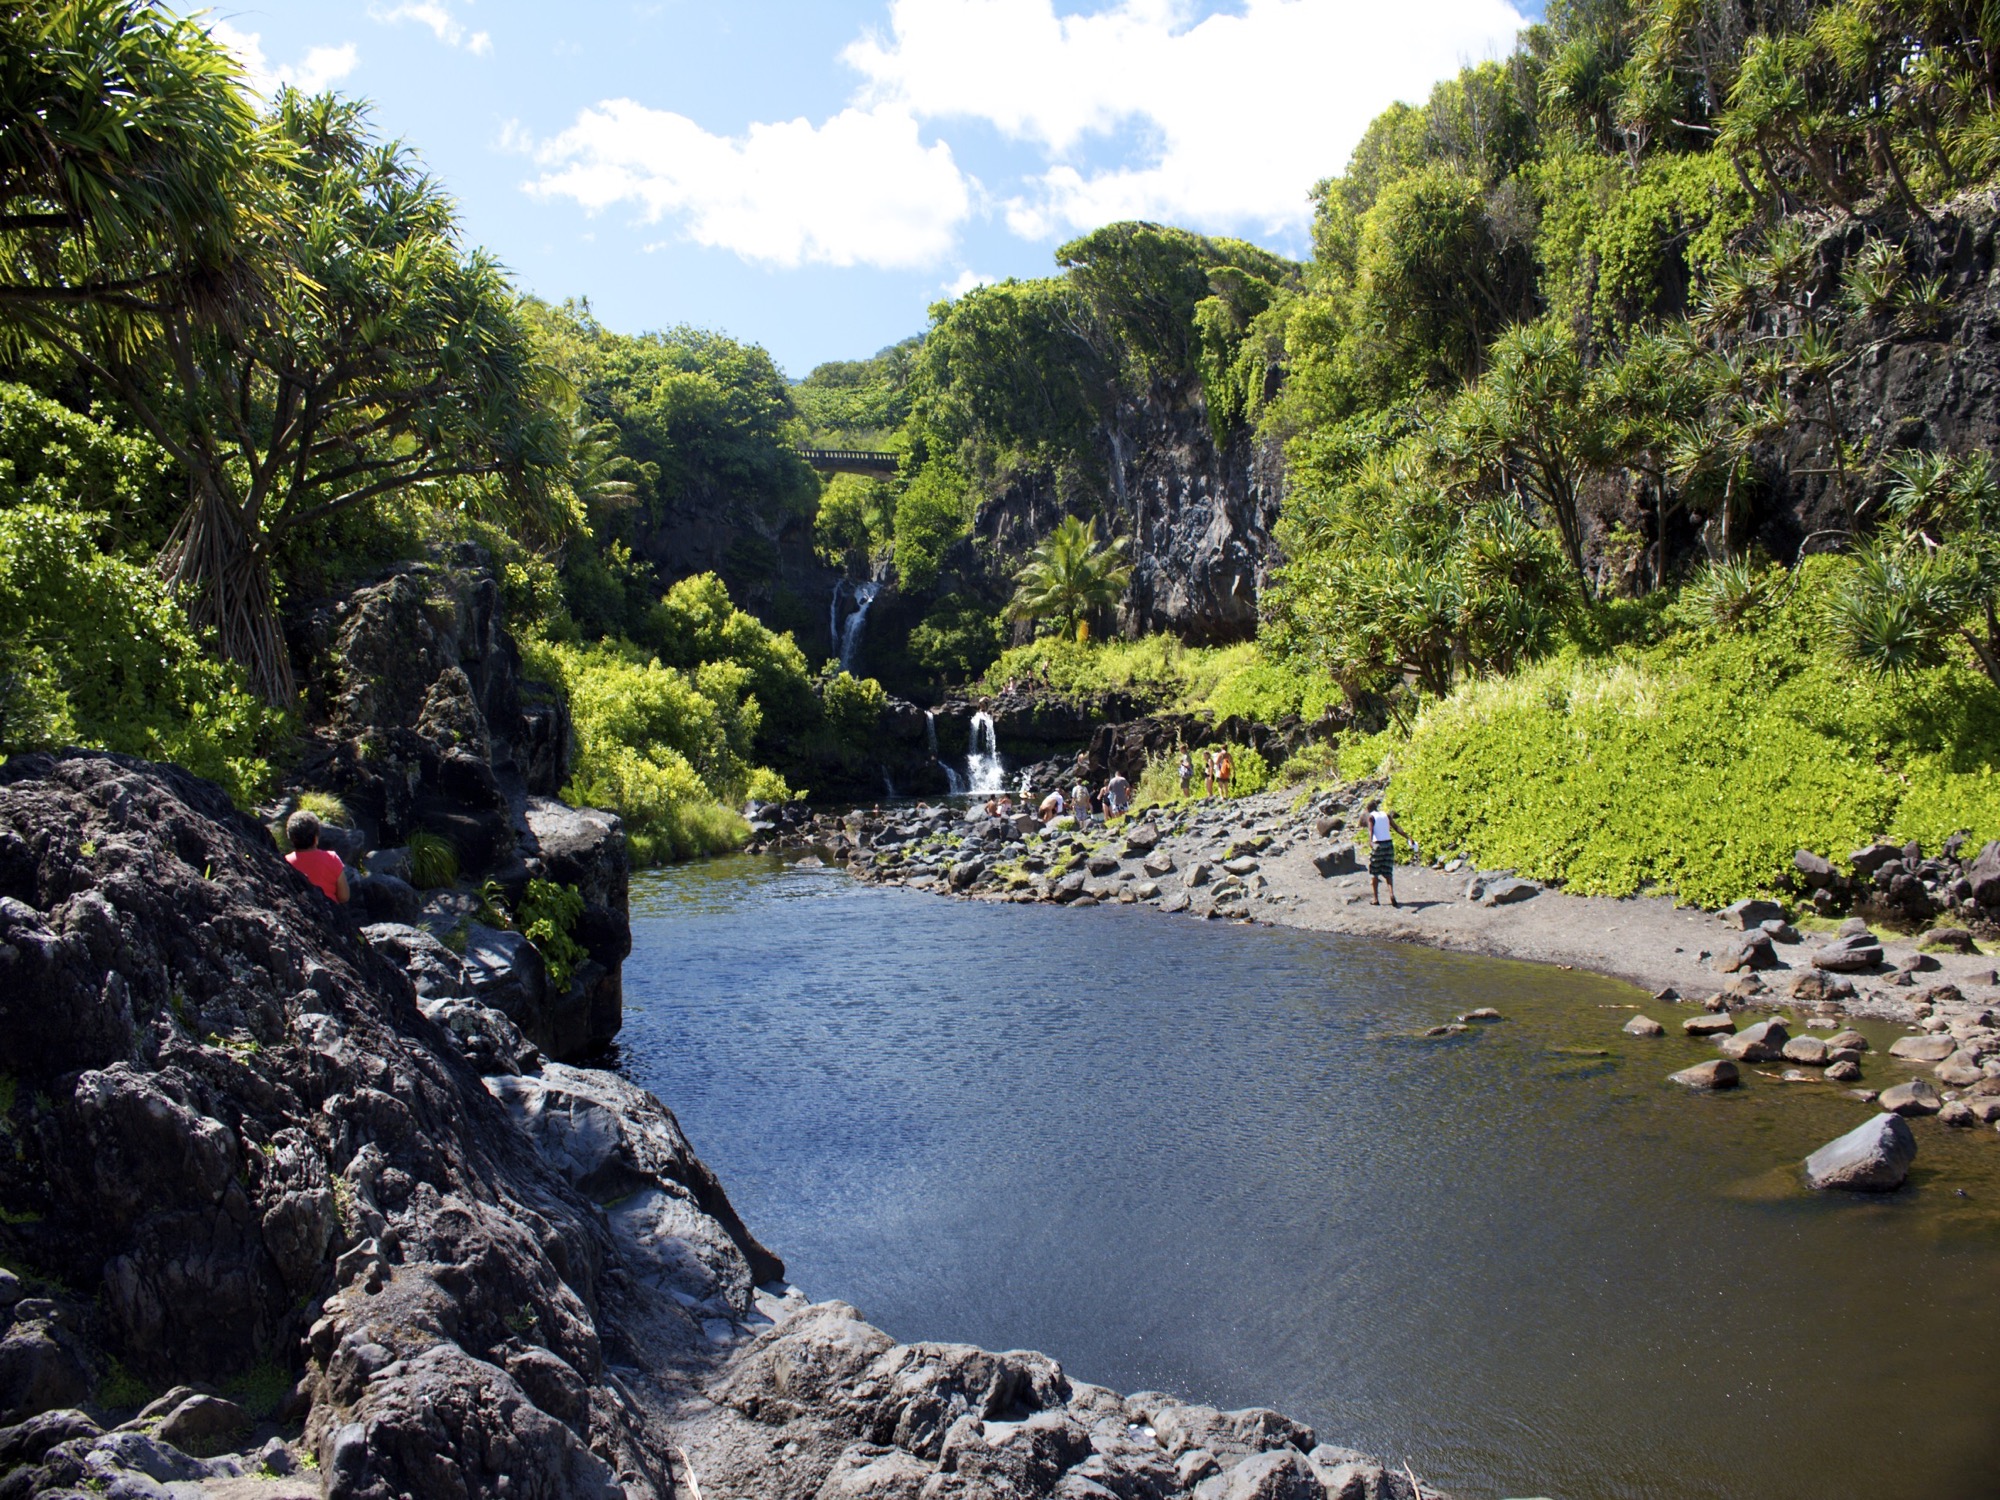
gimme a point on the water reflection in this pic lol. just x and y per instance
(1219, 1161)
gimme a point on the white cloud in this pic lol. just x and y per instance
(320, 69)
(1242, 111)
(965, 282)
(860, 189)
(443, 24)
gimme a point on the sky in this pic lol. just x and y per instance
(812, 175)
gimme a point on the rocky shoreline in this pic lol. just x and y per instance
(277, 1223)
(1287, 858)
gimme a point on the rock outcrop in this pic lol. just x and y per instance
(244, 1140)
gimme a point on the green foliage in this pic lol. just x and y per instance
(433, 861)
(852, 706)
(958, 637)
(933, 513)
(1697, 766)
(546, 916)
(325, 806)
(58, 458)
(856, 520)
(858, 403)
(94, 651)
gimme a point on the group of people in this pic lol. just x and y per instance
(1218, 769)
(1112, 800)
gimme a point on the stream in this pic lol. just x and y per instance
(1216, 1160)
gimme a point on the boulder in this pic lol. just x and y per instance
(1853, 953)
(1957, 1114)
(1719, 1074)
(1507, 892)
(1960, 1070)
(1809, 1050)
(1644, 1026)
(1763, 1042)
(1339, 860)
(1949, 939)
(201, 1422)
(1242, 866)
(1868, 861)
(967, 871)
(383, 898)
(1873, 1157)
(1848, 1040)
(1924, 1049)
(1983, 874)
(1720, 1024)
(1158, 864)
(1101, 864)
(1752, 912)
(1912, 1098)
(1754, 951)
(1140, 840)
(1815, 871)
(1197, 873)
(1843, 1071)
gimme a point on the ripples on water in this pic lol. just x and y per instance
(1213, 1160)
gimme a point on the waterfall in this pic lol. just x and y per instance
(983, 766)
(953, 780)
(847, 634)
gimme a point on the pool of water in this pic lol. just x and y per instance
(1215, 1159)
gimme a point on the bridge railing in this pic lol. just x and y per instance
(851, 460)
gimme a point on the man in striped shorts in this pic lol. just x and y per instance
(1382, 832)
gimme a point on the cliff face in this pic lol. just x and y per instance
(1199, 516)
(241, 1144)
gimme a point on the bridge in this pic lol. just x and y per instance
(850, 461)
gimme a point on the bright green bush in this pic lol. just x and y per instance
(547, 915)
(95, 652)
(1700, 765)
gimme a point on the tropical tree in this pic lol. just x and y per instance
(1069, 577)
(125, 144)
(369, 355)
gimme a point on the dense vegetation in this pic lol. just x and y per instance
(1542, 387)
(1562, 328)
(247, 360)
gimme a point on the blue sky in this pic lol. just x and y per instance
(812, 174)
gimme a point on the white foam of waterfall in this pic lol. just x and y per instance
(983, 767)
(847, 633)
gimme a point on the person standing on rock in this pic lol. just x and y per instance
(1208, 772)
(1117, 794)
(1225, 769)
(1382, 832)
(322, 867)
(1185, 770)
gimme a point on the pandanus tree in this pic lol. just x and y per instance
(281, 303)
(1069, 577)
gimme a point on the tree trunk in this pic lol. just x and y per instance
(223, 578)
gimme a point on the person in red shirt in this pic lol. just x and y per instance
(321, 866)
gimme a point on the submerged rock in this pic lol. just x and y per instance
(1873, 1157)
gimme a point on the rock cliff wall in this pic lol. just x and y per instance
(244, 1143)
(1199, 515)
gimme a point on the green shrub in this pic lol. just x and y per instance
(325, 806)
(547, 915)
(1700, 765)
(95, 652)
(433, 861)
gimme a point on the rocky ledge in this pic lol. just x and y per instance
(267, 1215)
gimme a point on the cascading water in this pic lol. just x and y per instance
(954, 782)
(983, 766)
(847, 633)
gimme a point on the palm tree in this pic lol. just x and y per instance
(1068, 577)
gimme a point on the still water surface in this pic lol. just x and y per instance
(1213, 1160)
